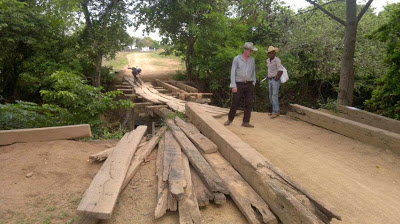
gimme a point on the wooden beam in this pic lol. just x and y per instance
(364, 133)
(167, 86)
(211, 179)
(183, 86)
(173, 168)
(100, 198)
(280, 195)
(44, 134)
(247, 200)
(199, 140)
(103, 155)
(370, 119)
(188, 207)
(203, 195)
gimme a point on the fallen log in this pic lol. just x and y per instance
(44, 134)
(199, 140)
(173, 168)
(284, 199)
(364, 133)
(188, 207)
(100, 198)
(247, 200)
(211, 179)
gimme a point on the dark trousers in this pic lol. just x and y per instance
(246, 91)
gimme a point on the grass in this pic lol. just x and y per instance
(119, 62)
(158, 55)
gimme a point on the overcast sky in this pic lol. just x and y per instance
(295, 4)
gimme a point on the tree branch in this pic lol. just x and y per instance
(327, 12)
(363, 10)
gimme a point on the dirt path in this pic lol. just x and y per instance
(153, 68)
(360, 181)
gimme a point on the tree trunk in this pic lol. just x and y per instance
(189, 56)
(346, 84)
(97, 74)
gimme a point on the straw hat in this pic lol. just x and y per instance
(249, 45)
(272, 48)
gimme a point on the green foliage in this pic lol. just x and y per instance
(386, 97)
(85, 102)
(30, 115)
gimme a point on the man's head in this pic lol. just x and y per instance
(249, 48)
(272, 51)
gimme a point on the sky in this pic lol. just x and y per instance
(378, 6)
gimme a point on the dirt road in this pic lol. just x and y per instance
(360, 181)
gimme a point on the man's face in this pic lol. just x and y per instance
(271, 54)
(247, 52)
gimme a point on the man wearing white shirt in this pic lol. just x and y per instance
(275, 70)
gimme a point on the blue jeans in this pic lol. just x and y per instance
(274, 94)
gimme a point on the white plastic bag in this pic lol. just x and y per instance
(284, 76)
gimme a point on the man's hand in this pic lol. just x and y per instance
(234, 90)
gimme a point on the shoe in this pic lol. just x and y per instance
(269, 114)
(228, 122)
(275, 115)
(247, 125)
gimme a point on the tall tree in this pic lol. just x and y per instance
(104, 33)
(346, 84)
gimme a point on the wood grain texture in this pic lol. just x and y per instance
(100, 198)
(172, 167)
(44, 134)
(211, 179)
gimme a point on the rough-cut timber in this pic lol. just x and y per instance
(44, 134)
(141, 154)
(100, 198)
(167, 86)
(199, 140)
(370, 119)
(364, 133)
(210, 178)
(103, 155)
(247, 200)
(172, 167)
(188, 208)
(183, 86)
(203, 195)
(287, 202)
(162, 186)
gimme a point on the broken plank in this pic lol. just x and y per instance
(211, 179)
(188, 207)
(280, 196)
(199, 140)
(44, 134)
(172, 167)
(100, 198)
(203, 195)
(247, 200)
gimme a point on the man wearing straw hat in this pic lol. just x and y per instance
(275, 70)
(243, 80)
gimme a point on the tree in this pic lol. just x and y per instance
(104, 33)
(346, 84)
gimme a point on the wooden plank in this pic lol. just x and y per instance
(103, 155)
(287, 202)
(203, 195)
(188, 207)
(211, 179)
(364, 133)
(247, 200)
(167, 86)
(173, 168)
(100, 198)
(199, 140)
(141, 154)
(370, 119)
(44, 134)
(162, 186)
(183, 86)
